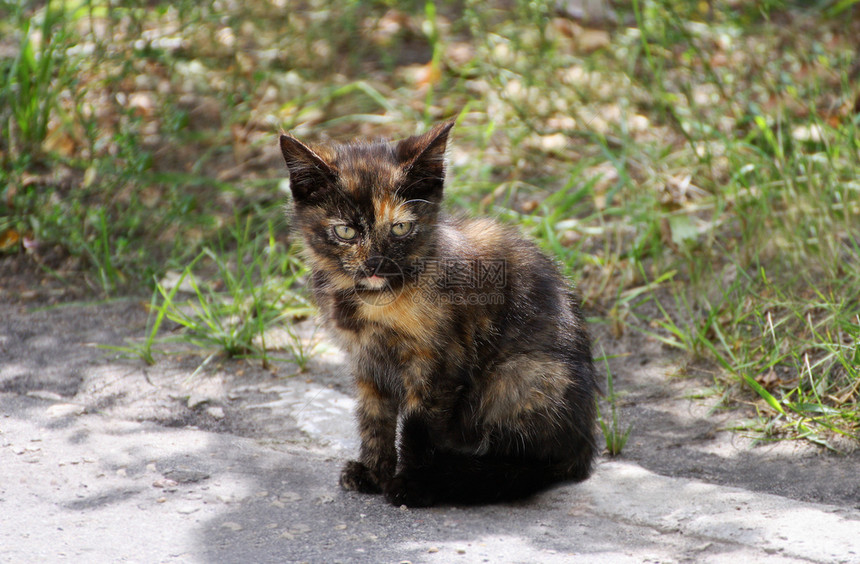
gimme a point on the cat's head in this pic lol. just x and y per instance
(368, 211)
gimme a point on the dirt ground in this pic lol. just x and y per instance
(53, 334)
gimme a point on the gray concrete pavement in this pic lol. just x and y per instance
(82, 487)
(105, 460)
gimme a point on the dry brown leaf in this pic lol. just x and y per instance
(564, 26)
(771, 380)
(59, 141)
(9, 239)
(427, 75)
(590, 40)
(529, 206)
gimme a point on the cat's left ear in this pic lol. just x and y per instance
(423, 159)
(310, 174)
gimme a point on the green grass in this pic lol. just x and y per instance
(252, 289)
(695, 170)
(615, 439)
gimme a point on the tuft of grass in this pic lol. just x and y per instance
(614, 437)
(252, 290)
(145, 350)
(28, 94)
(706, 195)
(765, 288)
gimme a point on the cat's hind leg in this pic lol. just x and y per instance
(462, 479)
(429, 474)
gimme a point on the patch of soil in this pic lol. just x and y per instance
(679, 429)
(42, 277)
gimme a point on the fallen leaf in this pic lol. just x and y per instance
(9, 239)
(427, 75)
(682, 229)
(590, 40)
(529, 206)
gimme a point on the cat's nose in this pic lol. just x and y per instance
(384, 267)
(373, 265)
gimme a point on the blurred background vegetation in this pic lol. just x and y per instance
(692, 164)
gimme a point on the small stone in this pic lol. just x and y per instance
(185, 475)
(555, 143)
(59, 410)
(461, 551)
(195, 400)
(215, 412)
(433, 549)
(340, 527)
(813, 133)
(289, 497)
(165, 483)
(299, 528)
(235, 527)
(45, 395)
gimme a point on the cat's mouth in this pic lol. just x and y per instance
(374, 283)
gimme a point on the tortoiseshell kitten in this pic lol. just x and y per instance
(460, 331)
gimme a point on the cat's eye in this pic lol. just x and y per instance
(401, 229)
(344, 232)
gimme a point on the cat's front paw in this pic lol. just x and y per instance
(404, 489)
(357, 477)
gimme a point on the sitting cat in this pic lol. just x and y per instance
(459, 330)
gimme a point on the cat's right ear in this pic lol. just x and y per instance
(309, 173)
(423, 159)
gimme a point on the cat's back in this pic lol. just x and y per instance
(502, 256)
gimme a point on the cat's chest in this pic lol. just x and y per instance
(385, 321)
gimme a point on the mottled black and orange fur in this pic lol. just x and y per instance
(492, 385)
